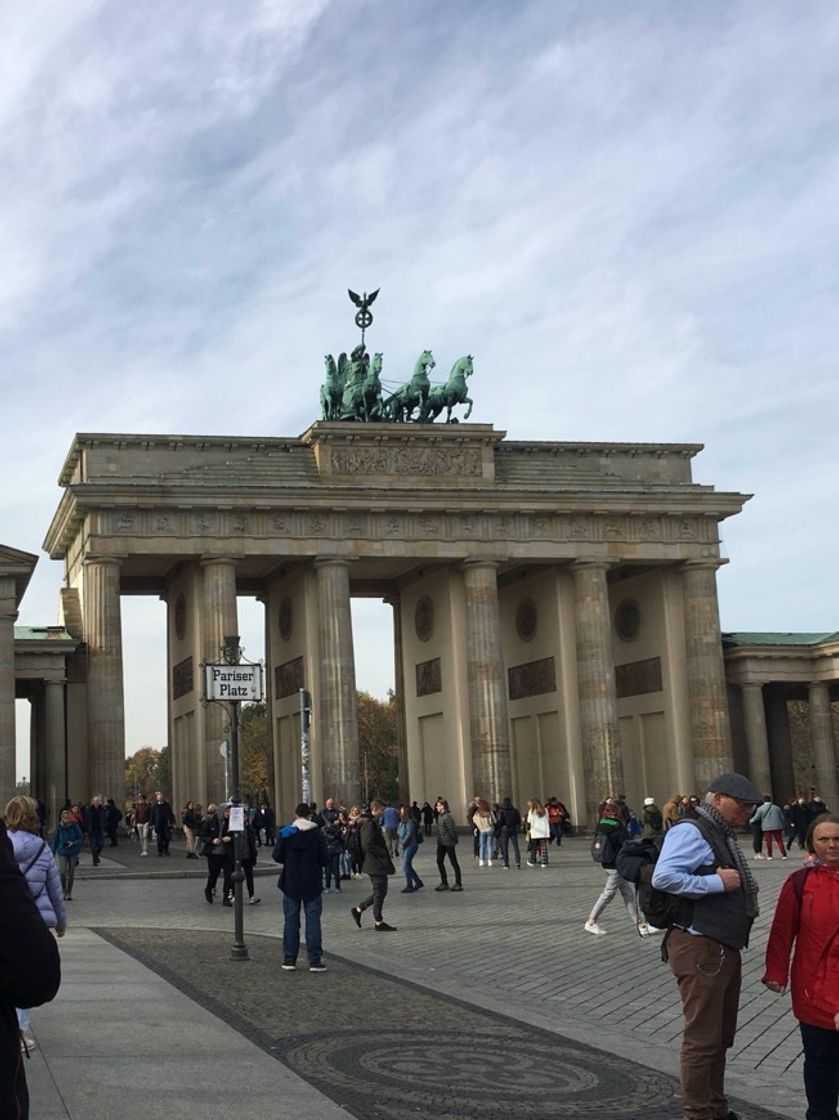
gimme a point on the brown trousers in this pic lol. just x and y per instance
(708, 975)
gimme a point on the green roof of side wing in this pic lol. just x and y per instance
(777, 638)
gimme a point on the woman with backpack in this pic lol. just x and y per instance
(806, 915)
(35, 860)
(609, 837)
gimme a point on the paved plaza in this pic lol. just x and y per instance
(488, 1003)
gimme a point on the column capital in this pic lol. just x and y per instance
(333, 561)
(703, 563)
(593, 564)
(207, 561)
(752, 686)
(55, 680)
(89, 561)
(475, 562)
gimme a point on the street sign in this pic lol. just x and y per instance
(237, 818)
(236, 684)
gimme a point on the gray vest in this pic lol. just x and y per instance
(721, 917)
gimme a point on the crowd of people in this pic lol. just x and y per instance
(697, 866)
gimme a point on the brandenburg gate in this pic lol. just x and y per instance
(556, 627)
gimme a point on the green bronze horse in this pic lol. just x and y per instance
(448, 395)
(401, 404)
(331, 390)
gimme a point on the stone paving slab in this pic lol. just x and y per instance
(512, 942)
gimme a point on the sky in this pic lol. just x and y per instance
(625, 210)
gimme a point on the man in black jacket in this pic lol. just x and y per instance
(30, 974)
(162, 821)
(375, 862)
(301, 849)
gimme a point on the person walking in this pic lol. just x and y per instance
(806, 915)
(112, 819)
(410, 839)
(800, 819)
(610, 834)
(333, 834)
(446, 844)
(301, 849)
(94, 824)
(35, 860)
(701, 861)
(376, 863)
(557, 816)
(190, 823)
(217, 846)
(769, 818)
(390, 826)
(162, 820)
(653, 820)
(249, 860)
(427, 818)
(141, 818)
(66, 844)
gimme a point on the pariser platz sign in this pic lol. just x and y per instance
(237, 683)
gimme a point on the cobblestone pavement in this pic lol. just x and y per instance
(512, 943)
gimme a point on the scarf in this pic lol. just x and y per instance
(750, 887)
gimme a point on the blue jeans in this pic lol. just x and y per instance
(821, 1071)
(411, 877)
(485, 844)
(291, 930)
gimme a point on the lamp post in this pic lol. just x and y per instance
(233, 682)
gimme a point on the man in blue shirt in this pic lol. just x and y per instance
(390, 826)
(703, 864)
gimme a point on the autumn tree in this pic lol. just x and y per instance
(255, 752)
(377, 743)
(146, 771)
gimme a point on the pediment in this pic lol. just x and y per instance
(19, 566)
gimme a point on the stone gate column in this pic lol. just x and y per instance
(8, 615)
(394, 601)
(336, 727)
(599, 736)
(709, 725)
(488, 723)
(105, 703)
(821, 738)
(757, 741)
(54, 780)
(219, 618)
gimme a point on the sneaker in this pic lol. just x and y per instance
(407, 890)
(356, 915)
(457, 887)
(654, 929)
(288, 965)
(593, 927)
(481, 863)
(643, 929)
(489, 863)
(144, 853)
(529, 864)
(227, 902)
(770, 857)
(757, 855)
(442, 887)
(319, 967)
(254, 901)
(27, 1039)
(208, 894)
(784, 857)
(418, 886)
(383, 927)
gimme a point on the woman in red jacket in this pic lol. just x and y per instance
(808, 914)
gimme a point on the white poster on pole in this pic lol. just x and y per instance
(237, 818)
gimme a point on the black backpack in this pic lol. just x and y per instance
(636, 862)
(605, 847)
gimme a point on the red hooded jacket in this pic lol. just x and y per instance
(814, 927)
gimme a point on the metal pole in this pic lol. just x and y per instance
(305, 719)
(239, 950)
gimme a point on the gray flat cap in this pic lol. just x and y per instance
(737, 786)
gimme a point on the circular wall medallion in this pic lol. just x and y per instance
(286, 619)
(424, 619)
(627, 620)
(526, 619)
(180, 617)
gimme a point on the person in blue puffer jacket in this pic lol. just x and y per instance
(35, 860)
(66, 844)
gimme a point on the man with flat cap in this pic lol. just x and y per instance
(703, 864)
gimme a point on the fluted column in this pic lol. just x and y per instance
(708, 700)
(105, 703)
(394, 601)
(821, 739)
(219, 619)
(488, 723)
(336, 729)
(757, 741)
(599, 735)
(8, 614)
(54, 780)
